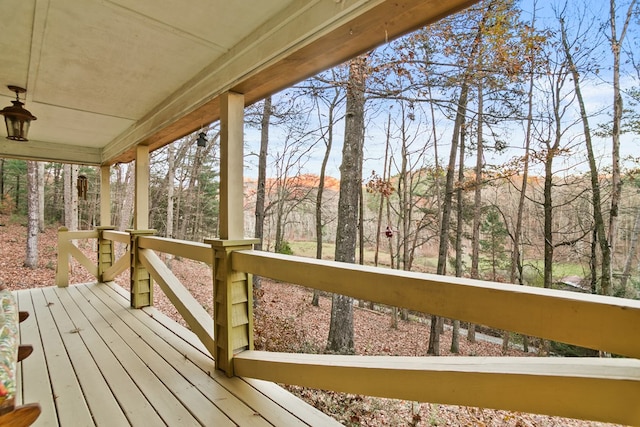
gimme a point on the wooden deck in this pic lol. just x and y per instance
(98, 362)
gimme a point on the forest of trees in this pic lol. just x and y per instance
(498, 143)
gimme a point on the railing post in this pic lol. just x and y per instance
(62, 269)
(106, 253)
(233, 303)
(141, 283)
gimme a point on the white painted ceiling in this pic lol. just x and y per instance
(105, 75)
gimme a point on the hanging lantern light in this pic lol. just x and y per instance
(16, 118)
(202, 140)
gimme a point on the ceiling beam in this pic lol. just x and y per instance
(50, 152)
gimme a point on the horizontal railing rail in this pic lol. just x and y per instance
(182, 248)
(598, 322)
(116, 236)
(595, 389)
(196, 317)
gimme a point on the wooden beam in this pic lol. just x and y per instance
(563, 316)
(594, 389)
(50, 152)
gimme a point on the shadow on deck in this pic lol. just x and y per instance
(98, 362)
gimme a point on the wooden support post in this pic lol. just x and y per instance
(141, 283)
(62, 269)
(233, 303)
(232, 290)
(105, 195)
(106, 252)
(141, 198)
(231, 166)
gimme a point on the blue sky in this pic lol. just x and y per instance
(598, 97)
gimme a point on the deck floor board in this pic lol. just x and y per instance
(72, 409)
(183, 393)
(124, 388)
(166, 343)
(97, 395)
(96, 361)
(159, 397)
(34, 370)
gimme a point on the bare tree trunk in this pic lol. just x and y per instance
(282, 190)
(261, 185)
(341, 327)
(262, 172)
(70, 197)
(551, 150)
(1, 180)
(461, 110)
(74, 198)
(323, 169)
(41, 223)
(616, 181)
(393, 256)
(593, 262)
(361, 234)
(434, 334)
(66, 194)
(31, 259)
(171, 176)
(477, 208)
(126, 213)
(405, 206)
(516, 255)
(382, 196)
(596, 199)
(631, 252)
(170, 188)
(455, 336)
(187, 224)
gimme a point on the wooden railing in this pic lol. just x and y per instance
(67, 250)
(598, 389)
(106, 268)
(196, 317)
(601, 323)
(232, 320)
(603, 389)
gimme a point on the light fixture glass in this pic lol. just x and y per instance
(16, 118)
(202, 140)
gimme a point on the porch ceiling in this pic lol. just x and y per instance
(105, 75)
